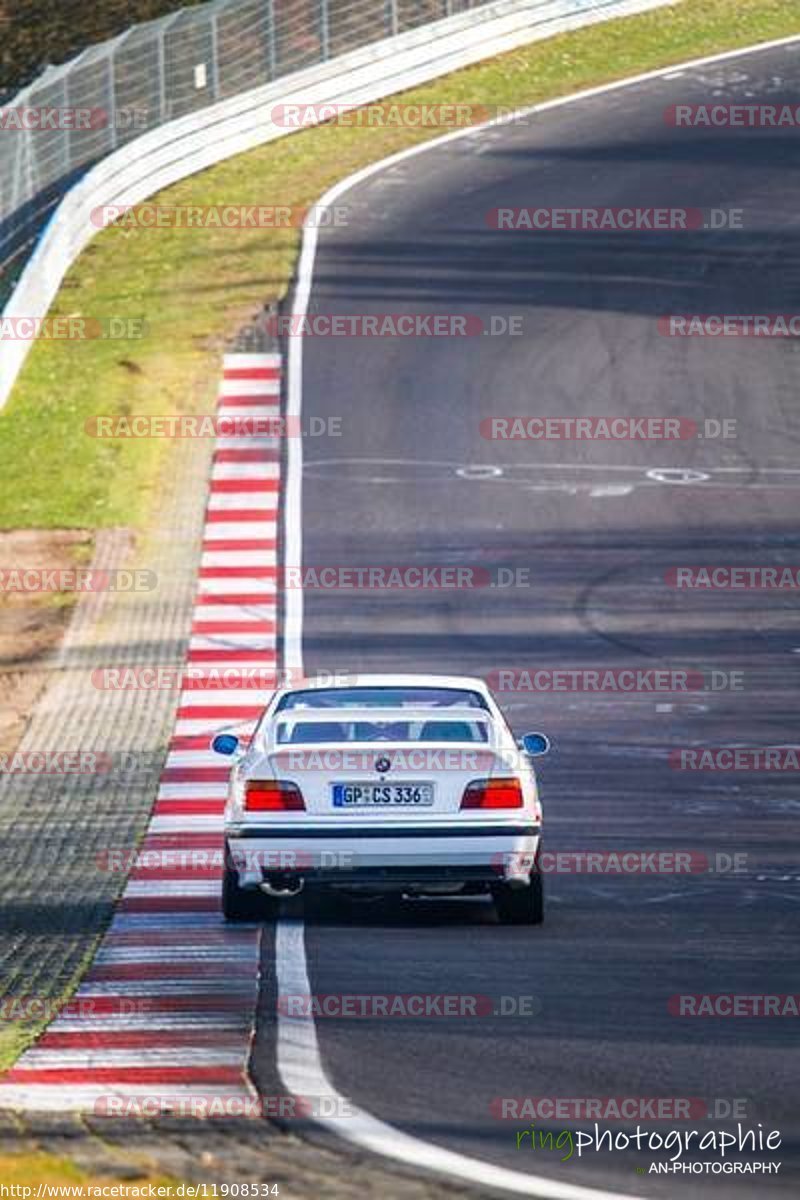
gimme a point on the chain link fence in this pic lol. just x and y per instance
(75, 114)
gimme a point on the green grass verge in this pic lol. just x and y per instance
(34, 1169)
(196, 287)
(18, 1035)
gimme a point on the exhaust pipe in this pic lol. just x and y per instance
(282, 887)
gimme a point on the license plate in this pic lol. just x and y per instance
(382, 795)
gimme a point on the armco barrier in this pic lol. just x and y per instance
(187, 145)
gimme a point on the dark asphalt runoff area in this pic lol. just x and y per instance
(587, 533)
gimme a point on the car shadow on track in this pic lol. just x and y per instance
(392, 911)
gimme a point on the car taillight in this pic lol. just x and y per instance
(272, 796)
(493, 793)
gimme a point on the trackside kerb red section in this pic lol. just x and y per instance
(170, 997)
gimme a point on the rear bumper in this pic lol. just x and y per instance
(415, 854)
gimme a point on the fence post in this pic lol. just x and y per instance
(214, 56)
(166, 24)
(111, 103)
(273, 53)
(324, 17)
(162, 77)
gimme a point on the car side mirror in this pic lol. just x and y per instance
(535, 744)
(225, 743)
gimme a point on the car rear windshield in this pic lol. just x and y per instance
(304, 732)
(382, 697)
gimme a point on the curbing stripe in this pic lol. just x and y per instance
(166, 1009)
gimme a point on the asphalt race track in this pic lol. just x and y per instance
(592, 534)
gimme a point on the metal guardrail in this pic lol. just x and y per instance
(162, 70)
(207, 134)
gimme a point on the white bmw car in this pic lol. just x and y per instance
(395, 783)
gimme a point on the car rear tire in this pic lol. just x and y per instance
(240, 904)
(520, 905)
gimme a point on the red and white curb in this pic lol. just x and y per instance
(165, 1013)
